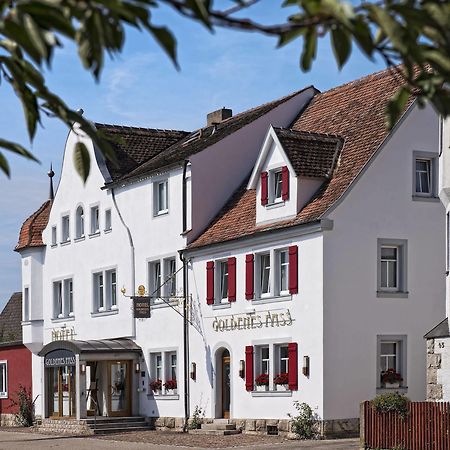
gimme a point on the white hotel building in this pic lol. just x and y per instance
(304, 241)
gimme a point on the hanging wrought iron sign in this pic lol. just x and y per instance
(141, 307)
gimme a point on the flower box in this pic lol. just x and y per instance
(262, 387)
(395, 385)
(262, 382)
(281, 381)
(391, 379)
(282, 387)
(156, 386)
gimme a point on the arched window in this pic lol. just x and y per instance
(79, 222)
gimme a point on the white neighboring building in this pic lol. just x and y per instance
(315, 268)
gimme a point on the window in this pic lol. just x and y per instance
(108, 224)
(448, 241)
(283, 359)
(26, 304)
(391, 364)
(54, 236)
(283, 272)
(264, 268)
(392, 270)
(63, 298)
(172, 365)
(223, 282)
(155, 279)
(105, 290)
(163, 367)
(95, 220)
(425, 174)
(65, 229)
(160, 197)
(79, 223)
(265, 360)
(3, 379)
(169, 275)
(158, 367)
(277, 186)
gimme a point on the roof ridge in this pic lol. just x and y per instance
(130, 127)
(312, 133)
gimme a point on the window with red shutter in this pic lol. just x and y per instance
(264, 190)
(293, 269)
(232, 279)
(293, 366)
(249, 276)
(285, 183)
(249, 367)
(210, 282)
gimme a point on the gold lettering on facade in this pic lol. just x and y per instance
(251, 321)
(63, 334)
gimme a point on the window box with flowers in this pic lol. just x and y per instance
(391, 379)
(262, 382)
(281, 381)
(156, 386)
(171, 386)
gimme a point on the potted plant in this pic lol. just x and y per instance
(171, 386)
(281, 381)
(262, 382)
(156, 386)
(391, 379)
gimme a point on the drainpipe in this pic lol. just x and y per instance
(133, 258)
(185, 340)
(184, 194)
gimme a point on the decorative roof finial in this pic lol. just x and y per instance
(51, 174)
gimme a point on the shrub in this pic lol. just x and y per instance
(262, 380)
(170, 384)
(197, 418)
(391, 402)
(156, 385)
(281, 378)
(25, 416)
(305, 422)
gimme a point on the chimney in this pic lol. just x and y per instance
(218, 116)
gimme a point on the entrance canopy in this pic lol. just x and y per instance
(86, 347)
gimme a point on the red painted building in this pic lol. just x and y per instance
(15, 358)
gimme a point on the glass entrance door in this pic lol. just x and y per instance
(61, 391)
(226, 394)
(119, 403)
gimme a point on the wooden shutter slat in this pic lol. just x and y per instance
(264, 190)
(210, 282)
(293, 366)
(232, 279)
(293, 269)
(249, 276)
(285, 183)
(249, 367)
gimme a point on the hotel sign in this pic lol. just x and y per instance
(63, 334)
(59, 358)
(141, 307)
(250, 321)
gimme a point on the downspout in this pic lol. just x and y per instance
(185, 340)
(184, 194)
(133, 258)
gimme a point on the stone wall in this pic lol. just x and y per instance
(434, 361)
(8, 420)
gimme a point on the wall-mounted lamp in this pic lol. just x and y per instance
(83, 367)
(193, 371)
(137, 367)
(242, 368)
(305, 368)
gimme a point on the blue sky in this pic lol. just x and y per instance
(142, 88)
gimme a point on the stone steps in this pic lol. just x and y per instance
(215, 432)
(219, 427)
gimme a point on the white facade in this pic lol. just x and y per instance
(339, 317)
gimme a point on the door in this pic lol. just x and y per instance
(119, 398)
(61, 392)
(226, 394)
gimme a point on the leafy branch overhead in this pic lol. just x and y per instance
(413, 33)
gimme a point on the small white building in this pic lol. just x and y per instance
(301, 241)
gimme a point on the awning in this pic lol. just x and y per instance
(85, 347)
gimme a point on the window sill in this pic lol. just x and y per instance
(63, 319)
(93, 235)
(280, 298)
(105, 313)
(426, 198)
(107, 231)
(185, 232)
(3, 395)
(276, 204)
(161, 213)
(53, 245)
(79, 239)
(164, 396)
(64, 243)
(221, 305)
(271, 393)
(392, 294)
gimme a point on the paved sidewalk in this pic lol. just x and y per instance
(10, 440)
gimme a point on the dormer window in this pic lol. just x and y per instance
(275, 186)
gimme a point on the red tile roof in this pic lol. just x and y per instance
(31, 231)
(354, 111)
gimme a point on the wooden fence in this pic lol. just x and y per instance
(425, 427)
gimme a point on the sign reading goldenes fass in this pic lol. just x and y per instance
(248, 321)
(59, 358)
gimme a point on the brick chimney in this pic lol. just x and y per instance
(218, 116)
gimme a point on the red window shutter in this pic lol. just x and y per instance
(264, 191)
(285, 183)
(293, 269)
(249, 276)
(232, 279)
(293, 366)
(249, 367)
(210, 282)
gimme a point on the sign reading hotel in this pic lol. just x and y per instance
(141, 307)
(63, 334)
(250, 321)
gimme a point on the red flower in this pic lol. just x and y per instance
(391, 376)
(170, 384)
(262, 380)
(282, 378)
(156, 385)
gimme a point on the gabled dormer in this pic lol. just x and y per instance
(291, 168)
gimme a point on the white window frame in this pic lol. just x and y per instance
(402, 268)
(259, 274)
(158, 209)
(432, 159)
(26, 304)
(155, 279)
(219, 265)
(170, 366)
(108, 220)
(279, 271)
(103, 287)
(68, 297)
(280, 359)
(63, 288)
(54, 236)
(65, 228)
(401, 357)
(170, 268)
(95, 219)
(165, 369)
(79, 222)
(4, 369)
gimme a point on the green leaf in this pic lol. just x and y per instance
(342, 45)
(4, 166)
(167, 42)
(17, 149)
(309, 49)
(82, 160)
